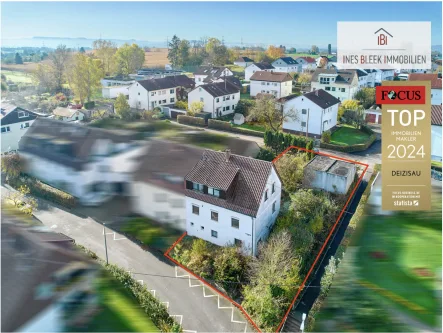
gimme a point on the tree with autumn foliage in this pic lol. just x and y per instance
(274, 52)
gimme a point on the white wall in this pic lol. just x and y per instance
(282, 67)
(158, 203)
(278, 89)
(76, 116)
(113, 92)
(436, 143)
(320, 120)
(242, 64)
(436, 97)
(110, 83)
(16, 131)
(332, 182)
(251, 69)
(140, 98)
(342, 96)
(199, 79)
(213, 105)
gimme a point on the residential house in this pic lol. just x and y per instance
(148, 94)
(371, 77)
(277, 84)
(256, 67)
(436, 84)
(14, 122)
(329, 174)
(342, 84)
(157, 189)
(362, 78)
(308, 64)
(243, 61)
(89, 163)
(219, 99)
(232, 200)
(67, 114)
(383, 75)
(322, 62)
(316, 111)
(210, 74)
(436, 138)
(112, 86)
(287, 65)
(373, 115)
(45, 288)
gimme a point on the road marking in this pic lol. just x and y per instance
(152, 292)
(167, 304)
(121, 238)
(140, 281)
(181, 318)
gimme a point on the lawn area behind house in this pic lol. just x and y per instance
(245, 96)
(120, 311)
(153, 234)
(252, 126)
(410, 267)
(346, 135)
(17, 76)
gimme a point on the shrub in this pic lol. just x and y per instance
(244, 106)
(12, 165)
(326, 136)
(89, 105)
(181, 105)
(265, 154)
(188, 120)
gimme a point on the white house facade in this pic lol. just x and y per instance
(148, 94)
(316, 110)
(243, 61)
(277, 84)
(287, 65)
(219, 98)
(342, 84)
(208, 74)
(256, 67)
(219, 210)
(14, 122)
(308, 64)
(114, 91)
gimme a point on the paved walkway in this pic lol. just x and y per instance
(195, 307)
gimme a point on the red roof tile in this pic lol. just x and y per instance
(436, 115)
(435, 81)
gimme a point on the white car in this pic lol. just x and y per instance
(95, 198)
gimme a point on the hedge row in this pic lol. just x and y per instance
(188, 120)
(226, 126)
(279, 141)
(351, 148)
(156, 311)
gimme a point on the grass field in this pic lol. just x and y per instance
(120, 310)
(296, 55)
(17, 76)
(410, 242)
(156, 57)
(252, 126)
(150, 233)
(346, 136)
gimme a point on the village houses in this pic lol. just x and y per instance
(218, 99)
(232, 200)
(67, 114)
(211, 74)
(277, 84)
(308, 64)
(243, 61)
(342, 84)
(436, 85)
(287, 65)
(256, 67)
(316, 112)
(148, 94)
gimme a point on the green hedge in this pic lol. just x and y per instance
(188, 120)
(351, 148)
(152, 306)
(279, 141)
(226, 126)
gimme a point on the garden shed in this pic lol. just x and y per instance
(239, 119)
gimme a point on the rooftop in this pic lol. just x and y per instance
(167, 83)
(436, 82)
(220, 88)
(270, 76)
(330, 165)
(436, 115)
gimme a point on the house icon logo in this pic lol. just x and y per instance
(382, 38)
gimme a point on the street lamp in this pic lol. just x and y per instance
(106, 246)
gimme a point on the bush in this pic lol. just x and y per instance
(12, 165)
(89, 105)
(326, 136)
(266, 155)
(181, 105)
(279, 141)
(189, 120)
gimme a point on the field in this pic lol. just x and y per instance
(410, 265)
(296, 55)
(17, 76)
(346, 136)
(156, 57)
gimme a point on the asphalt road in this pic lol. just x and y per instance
(195, 311)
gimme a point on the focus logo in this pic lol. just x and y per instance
(400, 95)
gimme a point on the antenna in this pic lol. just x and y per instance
(223, 40)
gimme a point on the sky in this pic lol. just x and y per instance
(297, 23)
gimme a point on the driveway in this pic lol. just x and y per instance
(195, 307)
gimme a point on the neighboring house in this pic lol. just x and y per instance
(256, 67)
(383, 75)
(114, 91)
(329, 174)
(342, 84)
(45, 288)
(373, 115)
(436, 84)
(219, 99)
(232, 200)
(14, 122)
(316, 111)
(322, 62)
(148, 94)
(277, 84)
(362, 78)
(118, 80)
(66, 114)
(157, 189)
(208, 74)
(243, 61)
(92, 164)
(371, 78)
(287, 65)
(308, 64)
(436, 138)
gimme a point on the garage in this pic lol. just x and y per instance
(370, 118)
(174, 114)
(379, 118)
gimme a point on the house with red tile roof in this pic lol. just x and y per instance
(307, 63)
(436, 84)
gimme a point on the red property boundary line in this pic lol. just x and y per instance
(166, 254)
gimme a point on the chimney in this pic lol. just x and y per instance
(227, 154)
(316, 93)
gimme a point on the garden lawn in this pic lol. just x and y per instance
(152, 234)
(436, 164)
(346, 136)
(245, 96)
(409, 241)
(120, 310)
(17, 77)
(252, 126)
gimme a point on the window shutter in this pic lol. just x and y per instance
(205, 189)
(189, 185)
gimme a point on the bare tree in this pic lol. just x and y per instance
(59, 60)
